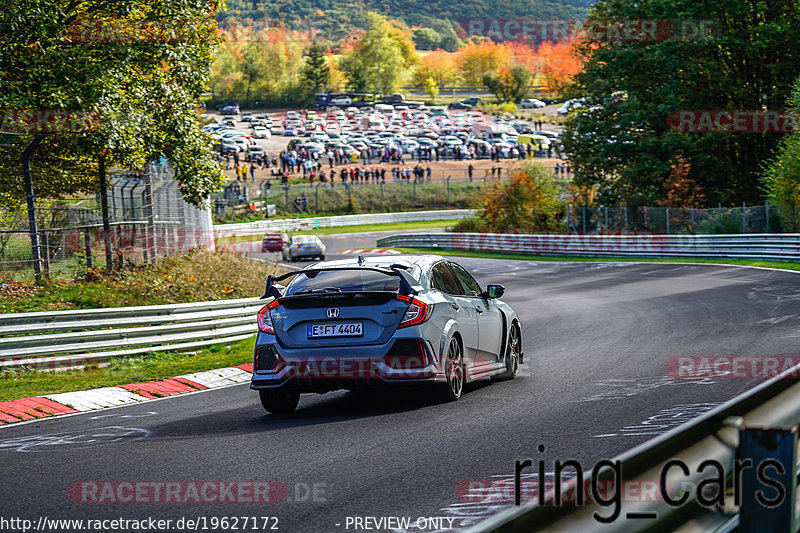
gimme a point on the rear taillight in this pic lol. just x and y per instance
(265, 320)
(416, 312)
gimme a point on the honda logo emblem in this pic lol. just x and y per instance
(333, 312)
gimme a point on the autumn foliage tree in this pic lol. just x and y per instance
(376, 60)
(559, 65)
(264, 65)
(476, 60)
(680, 189)
(139, 65)
(438, 65)
(530, 202)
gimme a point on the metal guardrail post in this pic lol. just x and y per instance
(766, 216)
(30, 198)
(744, 217)
(87, 242)
(667, 218)
(769, 484)
(448, 190)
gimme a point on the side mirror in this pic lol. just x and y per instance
(494, 291)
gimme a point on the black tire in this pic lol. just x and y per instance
(322, 258)
(451, 390)
(279, 402)
(512, 355)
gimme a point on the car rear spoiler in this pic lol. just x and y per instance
(408, 285)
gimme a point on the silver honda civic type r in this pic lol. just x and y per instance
(366, 323)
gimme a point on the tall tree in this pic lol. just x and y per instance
(140, 65)
(439, 66)
(264, 65)
(623, 143)
(316, 73)
(427, 38)
(476, 60)
(781, 179)
(379, 57)
(254, 66)
(559, 65)
(509, 84)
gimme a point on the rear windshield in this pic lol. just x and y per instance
(344, 281)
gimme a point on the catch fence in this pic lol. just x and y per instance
(148, 220)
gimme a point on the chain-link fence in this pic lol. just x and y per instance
(148, 220)
(352, 197)
(670, 220)
(63, 227)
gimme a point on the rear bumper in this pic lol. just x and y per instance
(372, 368)
(301, 254)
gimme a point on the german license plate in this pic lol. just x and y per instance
(353, 329)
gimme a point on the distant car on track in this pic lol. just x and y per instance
(273, 242)
(359, 324)
(303, 247)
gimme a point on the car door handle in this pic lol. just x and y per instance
(479, 309)
(455, 307)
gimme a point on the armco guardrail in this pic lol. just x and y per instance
(769, 246)
(295, 224)
(69, 339)
(756, 430)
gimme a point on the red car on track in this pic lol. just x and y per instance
(273, 242)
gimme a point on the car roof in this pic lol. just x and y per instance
(385, 261)
(305, 238)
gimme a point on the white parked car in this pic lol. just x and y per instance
(260, 132)
(255, 152)
(230, 145)
(531, 103)
(341, 100)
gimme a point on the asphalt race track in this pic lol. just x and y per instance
(597, 338)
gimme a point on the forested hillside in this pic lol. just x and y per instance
(334, 17)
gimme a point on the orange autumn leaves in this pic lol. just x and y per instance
(555, 64)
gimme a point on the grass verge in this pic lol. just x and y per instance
(782, 265)
(362, 228)
(16, 384)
